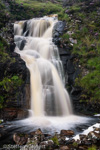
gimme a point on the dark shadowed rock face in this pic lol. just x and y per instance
(16, 68)
(57, 31)
(71, 71)
(12, 113)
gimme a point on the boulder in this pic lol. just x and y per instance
(38, 132)
(93, 135)
(82, 148)
(20, 138)
(13, 113)
(67, 133)
(64, 148)
(36, 136)
(47, 143)
(57, 31)
(82, 136)
(73, 41)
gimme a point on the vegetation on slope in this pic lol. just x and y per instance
(27, 9)
(9, 83)
(4, 15)
(84, 24)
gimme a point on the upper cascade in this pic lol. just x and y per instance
(33, 39)
(36, 27)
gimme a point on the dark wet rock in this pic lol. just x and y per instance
(70, 141)
(82, 148)
(64, 148)
(17, 67)
(22, 44)
(55, 142)
(34, 140)
(14, 113)
(75, 92)
(22, 113)
(38, 132)
(25, 31)
(12, 46)
(87, 142)
(57, 31)
(70, 67)
(36, 137)
(66, 133)
(71, 71)
(97, 129)
(10, 114)
(46, 144)
(3, 133)
(1, 126)
(20, 138)
(21, 40)
(93, 135)
(82, 136)
(32, 134)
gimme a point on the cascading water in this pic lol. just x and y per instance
(50, 107)
(33, 39)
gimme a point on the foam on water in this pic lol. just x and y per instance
(85, 132)
(53, 124)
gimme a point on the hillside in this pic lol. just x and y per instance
(83, 36)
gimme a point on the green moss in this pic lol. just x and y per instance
(7, 87)
(55, 140)
(92, 148)
(65, 36)
(81, 15)
(86, 28)
(75, 8)
(62, 15)
(75, 144)
(4, 54)
(29, 9)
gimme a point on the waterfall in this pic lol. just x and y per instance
(33, 39)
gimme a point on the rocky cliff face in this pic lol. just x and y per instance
(13, 77)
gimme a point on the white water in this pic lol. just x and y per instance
(52, 124)
(85, 132)
(48, 95)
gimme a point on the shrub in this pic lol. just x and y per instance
(9, 87)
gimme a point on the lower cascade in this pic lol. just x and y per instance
(33, 39)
